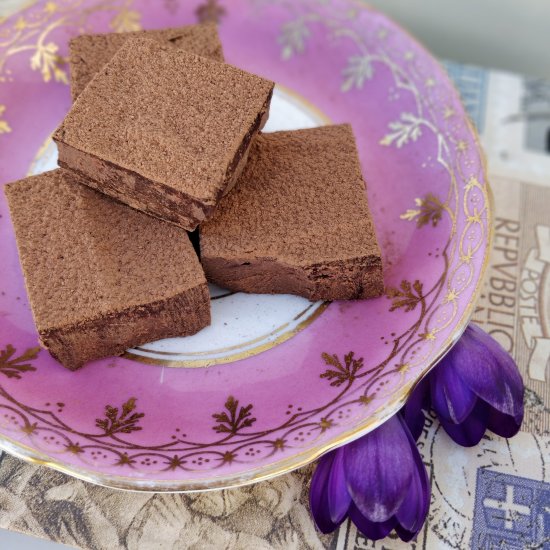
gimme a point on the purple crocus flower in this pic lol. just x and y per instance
(379, 481)
(475, 387)
(413, 411)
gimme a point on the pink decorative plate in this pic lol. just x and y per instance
(287, 379)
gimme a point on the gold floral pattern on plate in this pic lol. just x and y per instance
(30, 31)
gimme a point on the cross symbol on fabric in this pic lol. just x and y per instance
(510, 508)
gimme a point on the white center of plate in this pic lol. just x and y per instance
(242, 324)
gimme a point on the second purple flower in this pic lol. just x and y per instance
(379, 481)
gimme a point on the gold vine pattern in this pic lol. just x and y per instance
(31, 32)
(232, 424)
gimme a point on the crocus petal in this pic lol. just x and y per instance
(502, 424)
(405, 535)
(318, 498)
(371, 530)
(412, 513)
(379, 469)
(339, 499)
(471, 430)
(412, 412)
(452, 400)
(489, 371)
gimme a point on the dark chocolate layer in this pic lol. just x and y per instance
(134, 190)
(180, 315)
(338, 280)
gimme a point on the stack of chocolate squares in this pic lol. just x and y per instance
(162, 138)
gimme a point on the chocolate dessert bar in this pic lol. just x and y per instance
(297, 222)
(102, 277)
(164, 131)
(90, 52)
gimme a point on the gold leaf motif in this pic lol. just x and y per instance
(358, 70)
(4, 126)
(407, 296)
(237, 419)
(13, 367)
(293, 38)
(48, 61)
(126, 422)
(126, 21)
(408, 128)
(341, 374)
(430, 210)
